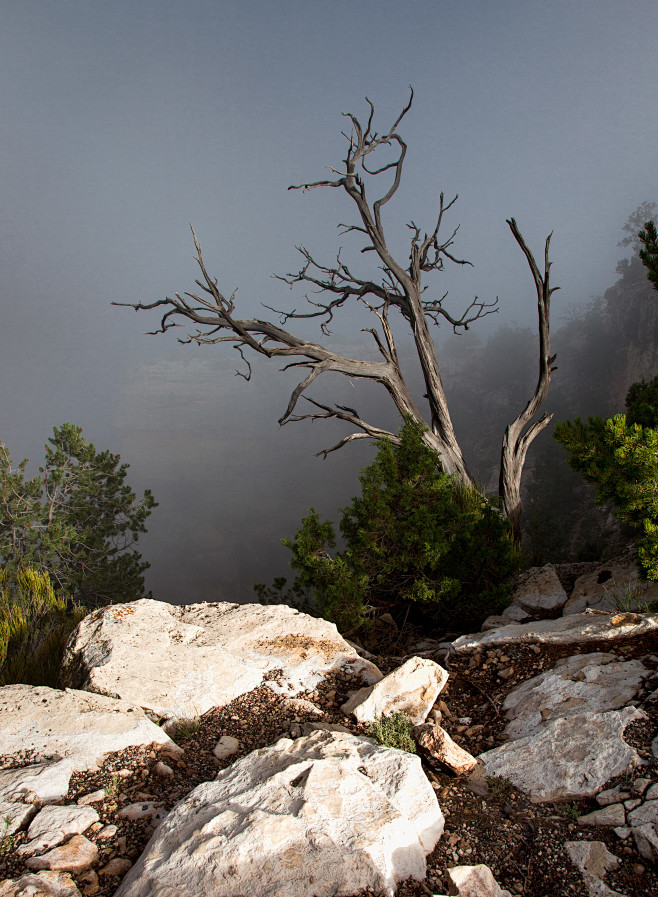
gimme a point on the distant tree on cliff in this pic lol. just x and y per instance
(396, 294)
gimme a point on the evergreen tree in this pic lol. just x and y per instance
(78, 521)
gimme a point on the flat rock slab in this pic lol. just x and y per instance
(73, 728)
(568, 759)
(41, 884)
(53, 824)
(183, 661)
(594, 860)
(411, 689)
(585, 683)
(614, 586)
(327, 814)
(563, 631)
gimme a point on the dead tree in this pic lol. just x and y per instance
(398, 291)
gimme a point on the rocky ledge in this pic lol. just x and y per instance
(221, 749)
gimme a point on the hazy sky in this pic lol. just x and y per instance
(123, 122)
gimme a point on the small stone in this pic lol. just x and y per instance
(107, 832)
(640, 785)
(614, 815)
(632, 803)
(94, 798)
(611, 796)
(162, 769)
(439, 745)
(226, 747)
(646, 841)
(141, 810)
(622, 832)
(506, 673)
(652, 793)
(116, 867)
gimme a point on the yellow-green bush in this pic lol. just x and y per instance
(35, 623)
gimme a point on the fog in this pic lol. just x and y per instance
(124, 122)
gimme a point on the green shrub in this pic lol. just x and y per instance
(35, 624)
(393, 731)
(415, 537)
(622, 460)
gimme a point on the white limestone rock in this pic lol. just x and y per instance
(610, 587)
(474, 881)
(594, 860)
(53, 824)
(584, 683)
(43, 782)
(182, 661)
(323, 815)
(562, 631)
(75, 727)
(226, 747)
(568, 758)
(411, 689)
(15, 816)
(539, 591)
(40, 884)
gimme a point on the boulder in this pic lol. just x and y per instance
(562, 631)
(584, 683)
(614, 586)
(40, 884)
(182, 661)
(326, 814)
(411, 689)
(73, 729)
(539, 592)
(567, 759)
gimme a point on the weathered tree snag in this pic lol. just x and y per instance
(398, 288)
(517, 438)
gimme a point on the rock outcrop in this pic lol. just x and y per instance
(181, 661)
(327, 814)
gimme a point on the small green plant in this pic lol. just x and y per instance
(187, 728)
(499, 786)
(628, 598)
(112, 788)
(393, 731)
(568, 811)
(7, 841)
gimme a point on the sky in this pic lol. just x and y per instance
(125, 122)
